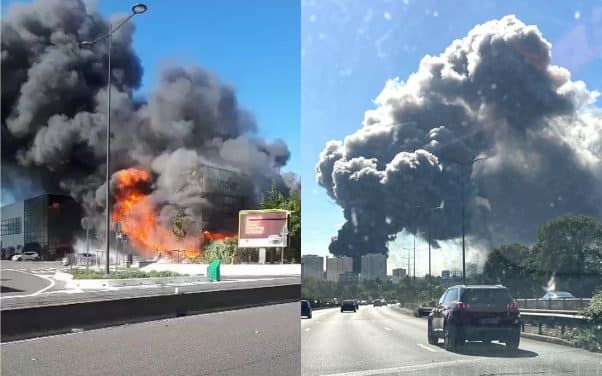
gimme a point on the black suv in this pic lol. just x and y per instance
(475, 313)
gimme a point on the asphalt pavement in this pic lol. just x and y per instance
(386, 341)
(256, 341)
(18, 278)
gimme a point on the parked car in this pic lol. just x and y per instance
(557, 295)
(348, 305)
(380, 302)
(306, 309)
(475, 313)
(26, 256)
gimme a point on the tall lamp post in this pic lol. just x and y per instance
(462, 165)
(136, 9)
(440, 207)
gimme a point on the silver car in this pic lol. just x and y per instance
(26, 256)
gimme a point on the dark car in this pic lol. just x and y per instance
(348, 305)
(380, 302)
(475, 313)
(305, 309)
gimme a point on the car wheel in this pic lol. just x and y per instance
(432, 340)
(512, 342)
(449, 337)
(309, 316)
(19, 259)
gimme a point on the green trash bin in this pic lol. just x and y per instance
(213, 270)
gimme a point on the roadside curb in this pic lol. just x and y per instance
(554, 340)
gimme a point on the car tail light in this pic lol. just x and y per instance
(463, 306)
(512, 306)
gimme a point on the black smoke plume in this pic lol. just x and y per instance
(493, 94)
(53, 115)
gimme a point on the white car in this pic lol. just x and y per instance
(26, 256)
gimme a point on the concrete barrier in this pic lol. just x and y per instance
(21, 323)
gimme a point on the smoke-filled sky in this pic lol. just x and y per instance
(418, 87)
(54, 97)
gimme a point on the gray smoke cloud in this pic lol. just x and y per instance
(54, 123)
(493, 94)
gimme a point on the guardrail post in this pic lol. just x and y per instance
(522, 326)
(549, 303)
(539, 328)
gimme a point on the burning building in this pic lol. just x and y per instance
(162, 146)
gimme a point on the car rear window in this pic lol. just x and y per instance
(486, 296)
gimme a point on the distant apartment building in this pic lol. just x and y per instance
(374, 266)
(348, 277)
(312, 266)
(338, 265)
(398, 274)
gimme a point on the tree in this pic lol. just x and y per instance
(570, 248)
(509, 265)
(224, 250)
(274, 199)
(178, 226)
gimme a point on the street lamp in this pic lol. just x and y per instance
(136, 9)
(462, 164)
(440, 207)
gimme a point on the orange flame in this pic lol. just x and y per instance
(136, 213)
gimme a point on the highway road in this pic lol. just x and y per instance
(386, 341)
(28, 278)
(255, 341)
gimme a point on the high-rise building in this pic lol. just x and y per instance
(312, 266)
(374, 266)
(399, 273)
(348, 277)
(338, 265)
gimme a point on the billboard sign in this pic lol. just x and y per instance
(262, 228)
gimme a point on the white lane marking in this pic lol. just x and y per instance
(51, 285)
(387, 329)
(426, 347)
(384, 371)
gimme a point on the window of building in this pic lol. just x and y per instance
(11, 226)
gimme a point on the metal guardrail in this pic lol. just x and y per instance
(570, 304)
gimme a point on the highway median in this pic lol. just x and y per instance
(42, 320)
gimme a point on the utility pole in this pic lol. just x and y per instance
(463, 228)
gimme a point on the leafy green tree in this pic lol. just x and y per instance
(273, 199)
(509, 265)
(570, 248)
(224, 250)
(178, 225)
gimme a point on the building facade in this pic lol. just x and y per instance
(47, 224)
(348, 277)
(338, 265)
(312, 266)
(374, 266)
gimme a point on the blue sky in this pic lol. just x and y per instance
(253, 46)
(350, 49)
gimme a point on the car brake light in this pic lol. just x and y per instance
(463, 306)
(512, 306)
